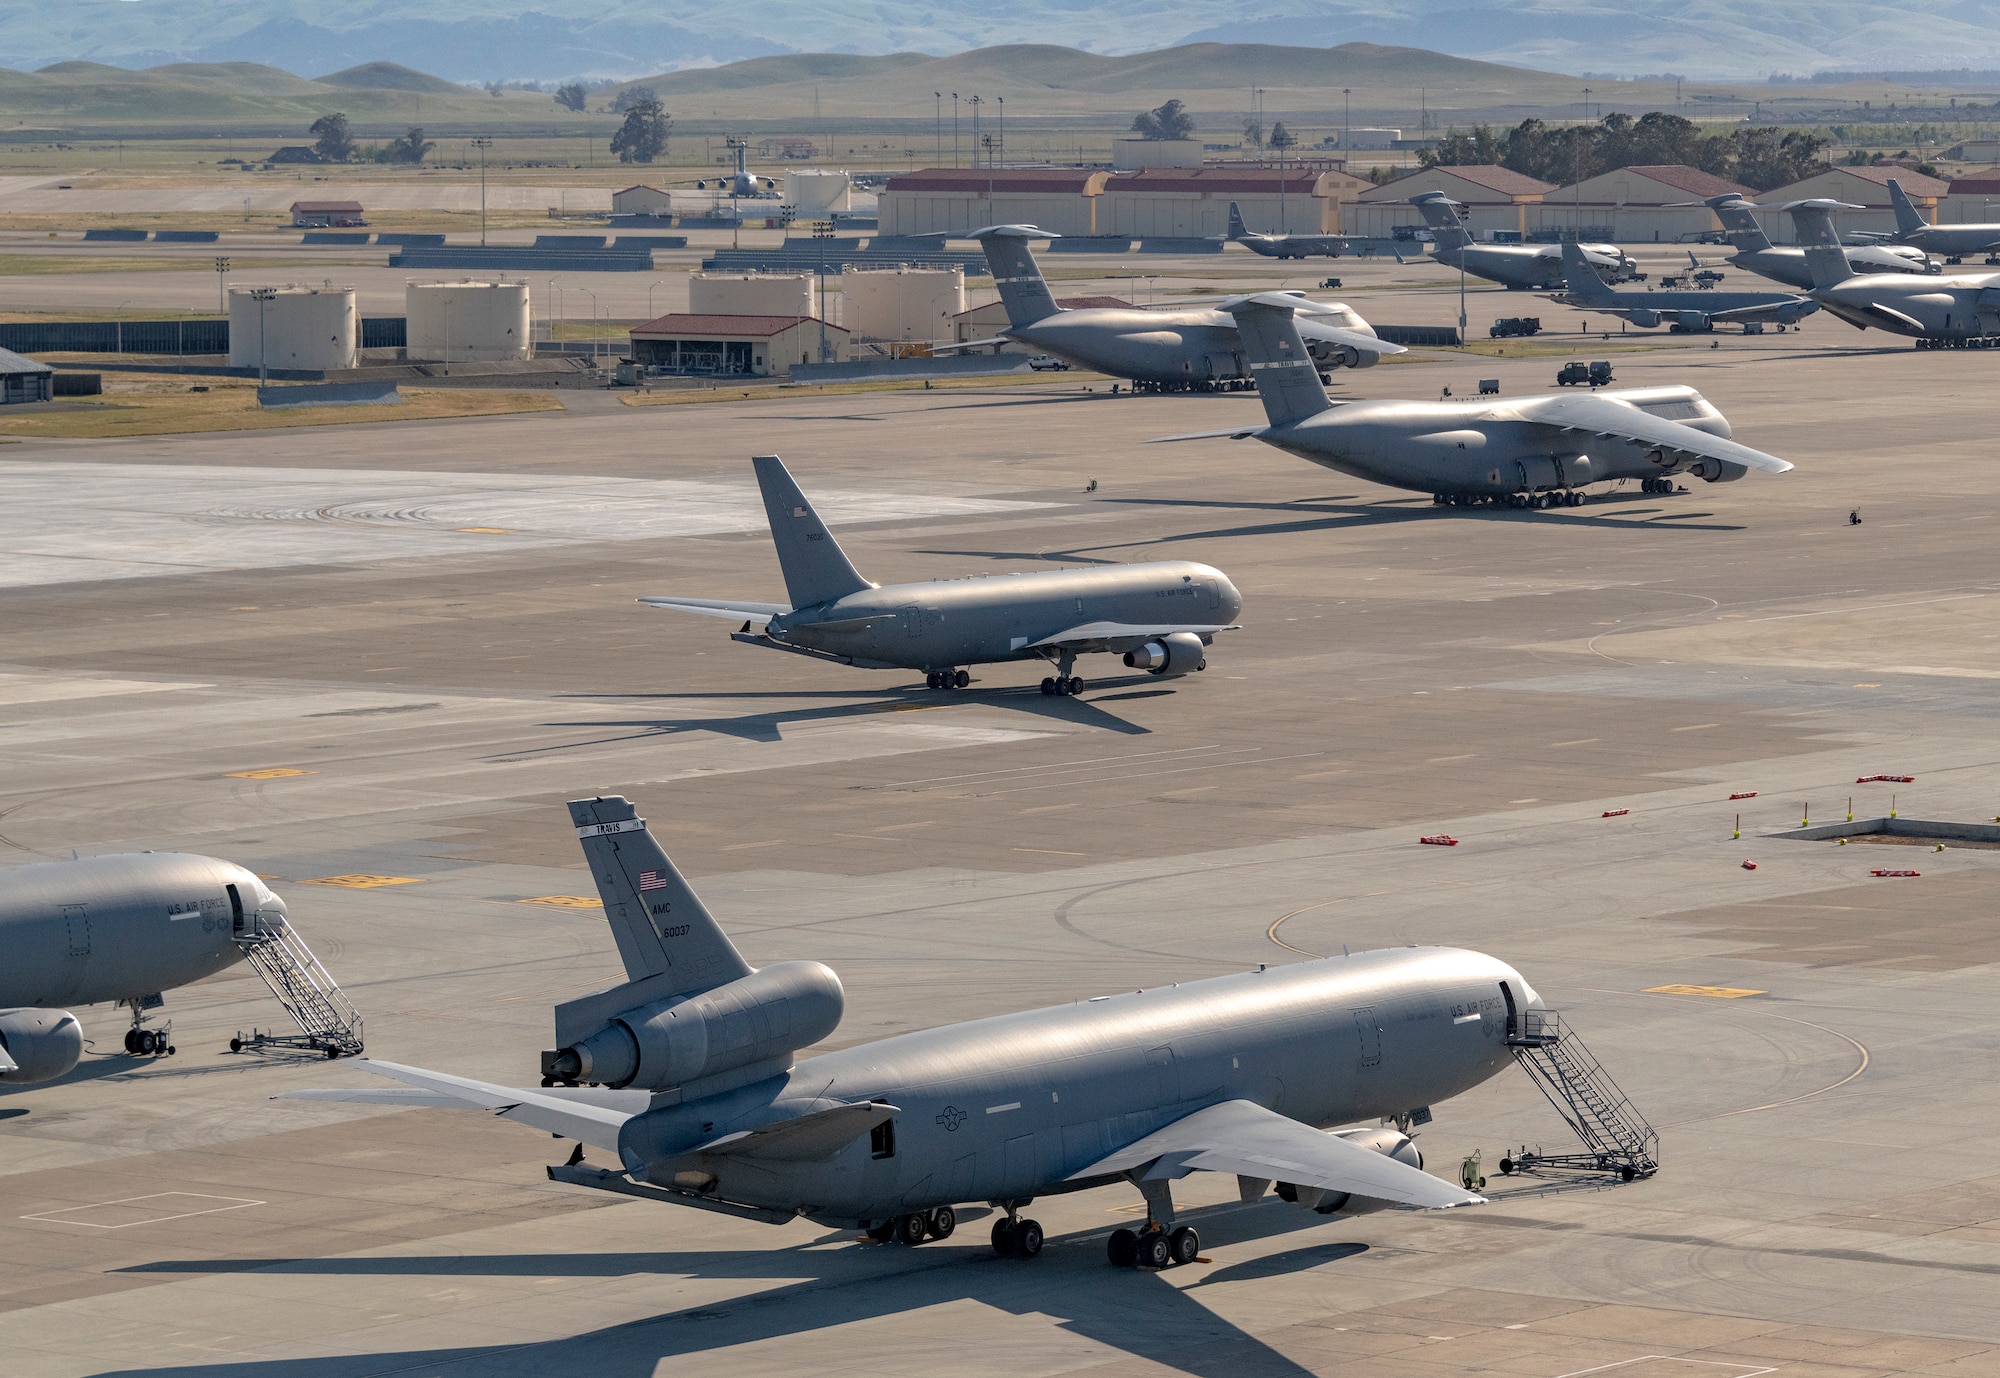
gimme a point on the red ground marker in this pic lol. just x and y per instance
(1747, 794)
(1439, 840)
(1616, 813)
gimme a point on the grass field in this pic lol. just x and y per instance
(132, 407)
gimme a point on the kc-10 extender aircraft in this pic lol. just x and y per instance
(1160, 616)
(695, 1088)
(113, 928)
(1195, 347)
(1286, 245)
(1518, 452)
(1518, 267)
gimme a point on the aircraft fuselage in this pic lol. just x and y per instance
(1176, 347)
(1953, 306)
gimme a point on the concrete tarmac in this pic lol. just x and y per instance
(270, 647)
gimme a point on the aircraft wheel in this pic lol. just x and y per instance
(132, 1041)
(1048, 686)
(943, 1221)
(1154, 1251)
(911, 1229)
(1003, 1237)
(1027, 1238)
(961, 679)
(930, 680)
(1122, 1248)
(1076, 684)
(883, 1232)
(1184, 1245)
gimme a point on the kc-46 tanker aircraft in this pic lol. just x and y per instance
(694, 1083)
(1521, 452)
(1160, 617)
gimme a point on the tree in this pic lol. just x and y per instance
(1479, 148)
(571, 96)
(411, 148)
(1169, 121)
(1281, 137)
(643, 136)
(631, 96)
(331, 139)
(1253, 132)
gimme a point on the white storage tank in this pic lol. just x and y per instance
(901, 303)
(814, 194)
(292, 327)
(750, 294)
(463, 321)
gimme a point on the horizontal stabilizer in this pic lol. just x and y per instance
(1234, 433)
(806, 1139)
(1246, 1139)
(730, 608)
(1091, 632)
(1616, 421)
(589, 1121)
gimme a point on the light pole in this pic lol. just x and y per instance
(1346, 125)
(649, 296)
(447, 336)
(1003, 134)
(221, 267)
(975, 103)
(954, 129)
(482, 144)
(937, 101)
(593, 321)
(263, 296)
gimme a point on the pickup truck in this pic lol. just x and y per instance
(1047, 363)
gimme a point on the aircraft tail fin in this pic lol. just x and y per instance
(1908, 217)
(816, 569)
(1739, 222)
(1581, 281)
(1287, 378)
(1236, 228)
(1441, 213)
(1023, 290)
(660, 924)
(1825, 258)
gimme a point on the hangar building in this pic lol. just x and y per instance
(1639, 203)
(732, 346)
(1867, 187)
(959, 200)
(1496, 199)
(23, 379)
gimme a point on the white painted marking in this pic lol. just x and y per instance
(630, 825)
(1003, 1109)
(1742, 1370)
(235, 1203)
(16, 689)
(1472, 1018)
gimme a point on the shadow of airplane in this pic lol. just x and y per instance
(1144, 1315)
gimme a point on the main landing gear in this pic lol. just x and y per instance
(1153, 1247)
(914, 1228)
(1063, 684)
(1565, 497)
(1014, 1237)
(1661, 486)
(947, 679)
(141, 1041)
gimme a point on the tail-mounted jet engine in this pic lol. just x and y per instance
(1178, 653)
(1389, 1143)
(771, 1013)
(42, 1044)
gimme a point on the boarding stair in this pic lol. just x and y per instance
(328, 1022)
(1615, 1136)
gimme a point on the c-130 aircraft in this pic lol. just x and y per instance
(695, 1086)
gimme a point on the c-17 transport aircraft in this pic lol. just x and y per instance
(1681, 311)
(118, 928)
(1283, 245)
(696, 1087)
(1191, 348)
(1523, 452)
(1160, 617)
(1950, 311)
(1518, 267)
(1787, 264)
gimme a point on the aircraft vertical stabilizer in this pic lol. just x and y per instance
(1287, 377)
(1581, 282)
(1440, 212)
(1908, 217)
(1739, 222)
(1236, 229)
(1826, 259)
(661, 926)
(1016, 276)
(816, 569)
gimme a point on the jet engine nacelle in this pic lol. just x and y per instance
(771, 1013)
(1694, 322)
(1716, 470)
(1389, 1143)
(44, 1044)
(1178, 653)
(1329, 355)
(1645, 320)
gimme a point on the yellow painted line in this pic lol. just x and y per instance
(565, 901)
(487, 531)
(270, 773)
(1045, 851)
(363, 882)
(1715, 992)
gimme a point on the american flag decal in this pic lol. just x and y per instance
(651, 880)
(798, 511)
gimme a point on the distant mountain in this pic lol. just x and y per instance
(390, 76)
(478, 40)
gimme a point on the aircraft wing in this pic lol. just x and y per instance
(1091, 633)
(592, 1117)
(807, 1138)
(1250, 1141)
(1353, 339)
(1751, 313)
(1238, 433)
(1616, 421)
(721, 607)
(993, 343)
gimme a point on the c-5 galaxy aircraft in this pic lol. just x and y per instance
(1757, 254)
(1532, 452)
(1952, 310)
(1952, 241)
(695, 1086)
(1690, 312)
(1193, 348)
(1283, 245)
(1520, 267)
(113, 928)
(1160, 617)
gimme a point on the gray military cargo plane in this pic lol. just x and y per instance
(1192, 348)
(1951, 241)
(1526, 452)
(696, 1088)
(1952, 310)
(1283, 245)
(1690, 312)
(113, 928)
(1160, 617)
(1787, 264)
(1519, 267)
